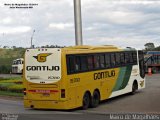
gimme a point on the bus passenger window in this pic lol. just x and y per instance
(90, 62)
(118, 62)
(102, 61)
(130, 57)
(127, 58)
(113, 61)
(77, 64)
(70, 64)
(135, 57)
(122, 59)
(108, 60)
(83, 60)
(96, 62)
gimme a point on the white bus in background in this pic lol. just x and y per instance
(17, 66)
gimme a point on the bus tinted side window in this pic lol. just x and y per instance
(70, 64)
(90, 62)
(135, 57)
(122, 59)
(108, 60)
(113, 61)
(130, 57)
(118, 60)
(77, 65)
(102, 61)
(127, 61)
(96, 61)
(84, 65)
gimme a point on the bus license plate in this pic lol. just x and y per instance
(46, 94)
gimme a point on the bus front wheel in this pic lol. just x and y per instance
(134, 87)
(86, 101)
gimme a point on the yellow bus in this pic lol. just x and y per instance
(80, 76)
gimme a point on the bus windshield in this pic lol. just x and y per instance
(43, 65)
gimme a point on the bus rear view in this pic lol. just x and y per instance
(42, 74)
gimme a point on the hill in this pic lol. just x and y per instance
(7, 56)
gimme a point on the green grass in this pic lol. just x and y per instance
(11, 86)
(9, 81)
(7, 93)
(11, 78)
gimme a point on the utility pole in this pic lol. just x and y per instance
(32, 38)
(78, 22)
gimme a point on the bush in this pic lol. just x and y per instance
(4, 86)
(11, 85)
(5, 69)
(16, 88)
(11, 78)
(11, 81)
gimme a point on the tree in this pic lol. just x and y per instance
(149, 46)
(157, 48)
(14, 47)
(5, 47)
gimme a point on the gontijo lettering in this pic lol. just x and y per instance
(106, 74)
(42, 68)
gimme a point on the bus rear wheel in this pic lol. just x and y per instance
(86, 101)
(95, 99)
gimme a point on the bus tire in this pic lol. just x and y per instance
(86, 101)
(134, 87)
(95, 99)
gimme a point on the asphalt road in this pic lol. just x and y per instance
(145, 101)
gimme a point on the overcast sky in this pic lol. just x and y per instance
(105, 22)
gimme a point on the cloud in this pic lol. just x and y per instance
(6, 20)
(135, 42)
(122, 2)
(61, 26)
(124, 18)
(118, 22)
(90, 28)
(121, 24)
(14, 30)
